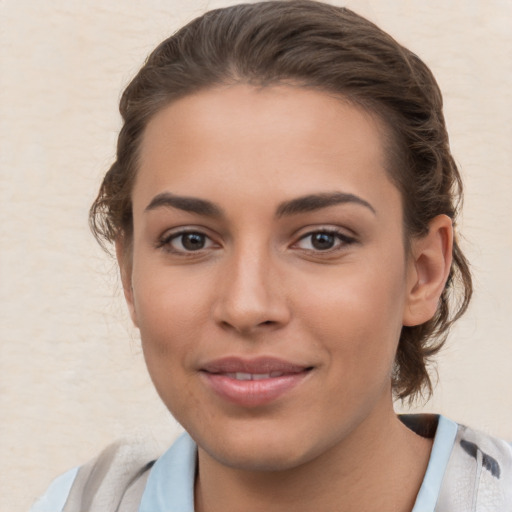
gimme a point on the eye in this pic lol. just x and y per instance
(186, 242)
(324, 241)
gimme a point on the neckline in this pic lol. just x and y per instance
(444, 438)
(170, 485)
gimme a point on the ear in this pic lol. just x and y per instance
(429, 266)
(124, 260)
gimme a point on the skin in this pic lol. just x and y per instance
(259, 286)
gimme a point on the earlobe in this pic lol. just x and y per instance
(430, 263)
(124, 261)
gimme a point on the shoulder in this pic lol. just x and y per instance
(492, 455)
(468, 470)
(103, 482)
(478, 475)
(55, 496)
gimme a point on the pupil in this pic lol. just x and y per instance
(193, 241)
(323, 241)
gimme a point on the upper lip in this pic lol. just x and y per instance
(259, 365)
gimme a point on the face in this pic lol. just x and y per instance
(268, 276)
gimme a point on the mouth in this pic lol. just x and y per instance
(253, 376)
(255, 382)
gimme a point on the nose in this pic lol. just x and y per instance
(250, 296)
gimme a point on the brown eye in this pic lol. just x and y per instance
(323, 241)
(186, 242)
(193, 241)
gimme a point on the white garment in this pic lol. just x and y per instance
(467, 472)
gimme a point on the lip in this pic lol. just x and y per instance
(220, 376)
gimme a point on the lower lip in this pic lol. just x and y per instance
(253, 393)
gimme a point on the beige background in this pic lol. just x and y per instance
(71, 372)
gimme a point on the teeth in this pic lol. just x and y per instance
(260, 376)
(243, 376)
(253, 376)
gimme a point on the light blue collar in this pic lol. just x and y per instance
(170, 485)
(441, 451)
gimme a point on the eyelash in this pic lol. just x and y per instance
(342, 239)
(165, 243)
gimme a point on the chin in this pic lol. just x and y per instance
(274, 450)
(258, 458)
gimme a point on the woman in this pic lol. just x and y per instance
(282, 206)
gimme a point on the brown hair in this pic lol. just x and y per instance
(310, 44)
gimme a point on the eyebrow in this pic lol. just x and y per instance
(314, 202)
(188, 204)
(303, 204)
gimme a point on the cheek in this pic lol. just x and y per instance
(356, 317)
(170, 319)
(170, 310)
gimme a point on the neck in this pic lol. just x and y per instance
(379, 466)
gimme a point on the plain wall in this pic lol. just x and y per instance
(72, 377)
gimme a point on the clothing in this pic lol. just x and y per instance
(468, 471)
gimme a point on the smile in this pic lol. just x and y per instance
(253, 376)
(253, 383)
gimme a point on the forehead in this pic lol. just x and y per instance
(280, 139)
(262, 113)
